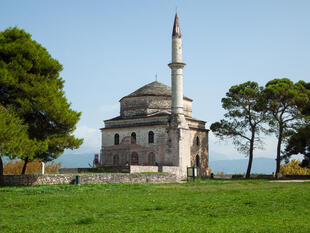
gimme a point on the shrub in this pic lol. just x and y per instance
(15, 167)
(293, 168)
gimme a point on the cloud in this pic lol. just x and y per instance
(91, 138)
(226, 147)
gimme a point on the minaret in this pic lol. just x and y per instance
(176, 67)
(179, 132)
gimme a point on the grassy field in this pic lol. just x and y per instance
(207, 206)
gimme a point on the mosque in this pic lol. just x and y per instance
(155, 128)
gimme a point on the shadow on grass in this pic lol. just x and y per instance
(86, 220)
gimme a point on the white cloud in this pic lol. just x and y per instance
(91, 138)
(226, 147)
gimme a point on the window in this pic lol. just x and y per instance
(197, 161)
(197, 141)
(151, 137)
(134, 158)
(133, 138)
(115, 160)
(151, 158)
(116, 139)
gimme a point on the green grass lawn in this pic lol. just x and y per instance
(207, 206)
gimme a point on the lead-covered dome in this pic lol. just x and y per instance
(152, 89)
(153, 98)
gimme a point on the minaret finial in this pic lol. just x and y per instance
(176, 32)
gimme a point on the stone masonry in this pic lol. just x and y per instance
(38, 179)
(155, 126)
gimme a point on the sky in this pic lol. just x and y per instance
(111, 48)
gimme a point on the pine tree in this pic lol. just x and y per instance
(243, 122)
(31, 86)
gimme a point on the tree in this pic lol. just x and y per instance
(246, 113)
(14, 141)
(286, 100)
(299, 141)
(31, 86)
(12, 135)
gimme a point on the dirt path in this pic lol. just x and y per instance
(288, 181)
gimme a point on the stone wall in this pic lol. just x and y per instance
(200, 151)
(148, 105)
(112, 169)
(174, 170)
(137, 169)
(166, 169)
(158, 147)
(49, 179)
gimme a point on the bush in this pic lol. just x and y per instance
(293, 168)
(15, 167)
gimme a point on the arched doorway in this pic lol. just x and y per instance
(134, 158)
(151, 158)
(115, 160)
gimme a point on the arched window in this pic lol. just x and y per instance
(151, 158)
(134, 158)
(133, 138)
(116, 139)
(197, 161)
(197, 141)
(151, 137)
(115, 160)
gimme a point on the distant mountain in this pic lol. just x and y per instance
(75, 160)
(214, 156)
(228, 166)
(239, 166)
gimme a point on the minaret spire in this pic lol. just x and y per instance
(176, 27)
(176, 67)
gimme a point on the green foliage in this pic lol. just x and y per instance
(243, 123)
(299, 143)
(30, 85)
(286, 103)
(14, 140)
(214, 206)
(13, 134)
(286, 100)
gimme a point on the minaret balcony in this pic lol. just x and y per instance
(176, 65)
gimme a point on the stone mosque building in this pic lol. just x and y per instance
(155, 128)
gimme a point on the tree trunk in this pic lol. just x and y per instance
(278, 160)
(1, 171)
(248, 172)
(1, 166)
(25, 166)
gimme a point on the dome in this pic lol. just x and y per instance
(153, 98)
(153, 89)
